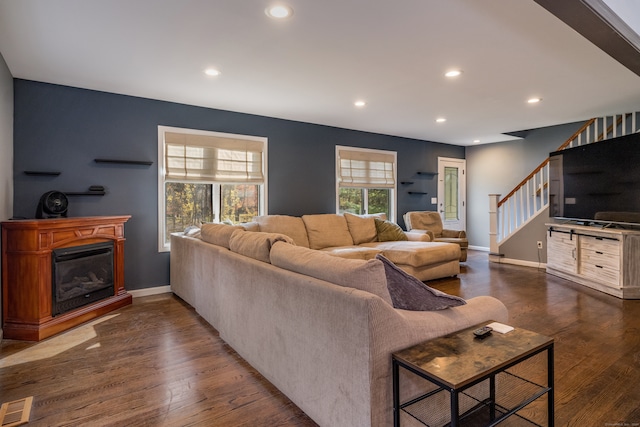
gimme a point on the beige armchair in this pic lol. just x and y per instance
(431, 223)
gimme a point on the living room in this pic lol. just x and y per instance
(56, 125)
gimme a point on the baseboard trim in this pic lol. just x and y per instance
(479, 248)
(136, 293)
(520, 262)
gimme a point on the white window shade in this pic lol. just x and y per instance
(211, 158)
(366, 169)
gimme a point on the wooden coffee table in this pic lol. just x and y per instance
(487, 380)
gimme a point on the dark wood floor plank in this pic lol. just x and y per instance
(157, 363)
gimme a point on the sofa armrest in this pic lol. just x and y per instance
(460, 234)
(438, 323)
(419, 236)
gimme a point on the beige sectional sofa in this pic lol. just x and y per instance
(320, 328)
(359, 237)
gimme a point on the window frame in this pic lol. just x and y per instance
(164, 246)
(394, 190)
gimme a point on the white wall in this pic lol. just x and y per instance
(498, 168)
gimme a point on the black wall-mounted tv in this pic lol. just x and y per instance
(597, 183)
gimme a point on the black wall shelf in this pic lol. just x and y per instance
(94, 190)
(86, 193)
(42, 173)
(125, 162)
(406, 182)
(427, 173)
(417, 192)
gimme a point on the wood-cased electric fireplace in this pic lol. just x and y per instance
(58, 273)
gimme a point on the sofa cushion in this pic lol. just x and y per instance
(291, 226)
(409, 293)
(218, 234)
(419, 236)
(353, 252)
(327, 230)
(367, 276)
(388, 231)
(464, 243)
(417, 254)
(250, 226)
(362, 228)
(256, 244)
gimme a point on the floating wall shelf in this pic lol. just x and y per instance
(94, 190)
(86, 193)
(428, 173)
(406, 182)
(42, 173)
(417, 192)
(125, 162)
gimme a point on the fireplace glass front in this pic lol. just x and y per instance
(81, 275)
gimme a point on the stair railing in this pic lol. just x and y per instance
(531, 195)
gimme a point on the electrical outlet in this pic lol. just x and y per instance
(539, 244)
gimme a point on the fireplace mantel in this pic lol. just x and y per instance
(26, 272)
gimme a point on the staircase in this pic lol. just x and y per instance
(531, 197)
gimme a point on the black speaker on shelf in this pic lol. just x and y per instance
(53, 204)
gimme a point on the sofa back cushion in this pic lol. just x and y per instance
(362, 228)
(327, 230)
(218, 234)
(367, 276)
(291, 226)
(256, 244)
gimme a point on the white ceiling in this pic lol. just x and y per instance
(314, 65)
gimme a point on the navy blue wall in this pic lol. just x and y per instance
(64, 129)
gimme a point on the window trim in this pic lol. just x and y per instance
(394, 190)
(166, 247)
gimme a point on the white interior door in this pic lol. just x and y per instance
(452, 193)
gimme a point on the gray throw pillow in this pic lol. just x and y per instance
(409, 293)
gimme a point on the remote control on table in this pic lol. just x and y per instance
(483, 332)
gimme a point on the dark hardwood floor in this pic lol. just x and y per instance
(157, 363)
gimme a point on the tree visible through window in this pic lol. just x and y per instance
(361, 201)
(239, 203)
(187, 204)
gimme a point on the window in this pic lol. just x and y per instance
(451, 193)
(365, 181)
(208, 177)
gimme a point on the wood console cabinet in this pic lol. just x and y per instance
(605, 259)
(27, 246)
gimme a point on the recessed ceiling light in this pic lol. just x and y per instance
(212, 72)
(453, 73)
(279, 11)
(441, 120)
(476, 141)
(360, 104)
(534, 100)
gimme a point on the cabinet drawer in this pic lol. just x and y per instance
(590, 256)
(607, 246)
(601, 274)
